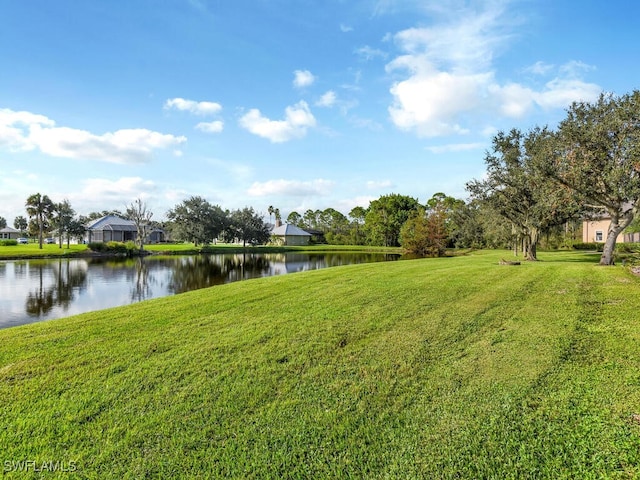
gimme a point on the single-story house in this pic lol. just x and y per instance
(9, 233)
(291, 235)
(112, 228)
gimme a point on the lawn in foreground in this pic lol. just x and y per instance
(438, 368)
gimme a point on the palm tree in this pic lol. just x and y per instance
(20, 223)
(270, 210)
(41, 208)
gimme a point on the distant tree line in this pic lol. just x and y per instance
(538, 187)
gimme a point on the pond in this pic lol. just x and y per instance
(35, 290)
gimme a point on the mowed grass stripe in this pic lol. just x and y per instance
(439, 368)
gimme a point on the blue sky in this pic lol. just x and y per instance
(298, 104)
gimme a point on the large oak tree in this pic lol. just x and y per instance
(597, 155)
(196, 220)
(524, 196)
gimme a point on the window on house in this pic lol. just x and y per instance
(599, 235)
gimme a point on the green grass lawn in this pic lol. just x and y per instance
(31, 250)
(436, 368)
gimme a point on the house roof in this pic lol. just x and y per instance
(112, 222)
(8, 229)
(287, 230)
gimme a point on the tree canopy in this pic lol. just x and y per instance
(196, 220)
(385, 217)
(62, 220)
(514, 189)
(247, 225)
(40, 208)
(597, 155)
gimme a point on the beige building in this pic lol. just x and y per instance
(596, 231)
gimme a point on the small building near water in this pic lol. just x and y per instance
(290, 235)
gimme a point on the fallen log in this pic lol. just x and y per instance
(506, 262)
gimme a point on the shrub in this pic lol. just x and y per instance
(588, 246)
(117, 248)
(97, 247)
(8, 242)
(628, 247)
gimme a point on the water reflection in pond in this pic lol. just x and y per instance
(34, 290)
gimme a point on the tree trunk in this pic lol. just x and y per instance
(531, 254)
(40, 232)
(617, 225)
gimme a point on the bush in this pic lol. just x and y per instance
(97, 247)
(117, 248)
(628, 247)
(588, 246)
(8, 243)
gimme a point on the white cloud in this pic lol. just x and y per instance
(345, 28)
(291, 187)
(197, 108)
(456, 147)
(574, 68)
(14, 128)
(121, 146)
(560, 93)
(447, 78)
(327, 100)
(539, 68)
(102, 193)
(514, 100)
(298, 118)
(303, 78)
(211, 127)
(429, 101)
(27, 131)
(368, 53)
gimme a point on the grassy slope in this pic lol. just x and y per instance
(442, 368)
